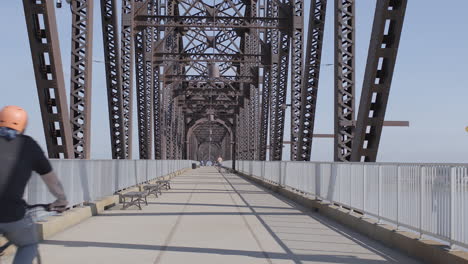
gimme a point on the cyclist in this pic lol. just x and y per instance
(19, 156)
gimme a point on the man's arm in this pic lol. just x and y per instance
(55, 187)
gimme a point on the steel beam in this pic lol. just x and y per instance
(278, 107)
(144, 83)
(308, 97)
(45, 52)
(157, 134)
(297, 81)
(383, 49)
(81, 76)
(113, 77)
(127, 58)
(344, 79)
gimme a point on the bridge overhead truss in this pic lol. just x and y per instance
(213, 77)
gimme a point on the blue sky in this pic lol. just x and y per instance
(429, 88)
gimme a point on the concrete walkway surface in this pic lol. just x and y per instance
(216, 218)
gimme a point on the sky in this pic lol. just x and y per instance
(429, 87)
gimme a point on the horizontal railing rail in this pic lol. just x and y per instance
(91, 180)
(430, 199)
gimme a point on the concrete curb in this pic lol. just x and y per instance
(55, 224)
(428, 251)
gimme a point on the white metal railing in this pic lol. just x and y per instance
(431, 199)
(90, 180)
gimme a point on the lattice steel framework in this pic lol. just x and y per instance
(112, 61)
(127, 61)
(202, 63)
(297, 86)
(383, 49)
(144, 82)
(45, 52)
(308, 97)
(81, 74)
(157, 10)
(280, 69)
(344, 79)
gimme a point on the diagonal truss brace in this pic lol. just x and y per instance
(383, 49)
(47, 63)
(308, 99)
(110, 38)
(81, 76)
(127, 58)
(344, 79)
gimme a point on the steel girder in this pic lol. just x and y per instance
(203, 22)
(144, 82)
(264, 114)
(45, 51)
(308, 97)
(127, 58)
(297, 85)
(280, 70)
(157, 9)
(344, 79)
(267, 84)
(113, 77)
(383, 49)
(81, 76)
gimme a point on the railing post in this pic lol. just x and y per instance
(351, 175)
(364, 192)
(398, 197)
(452, 206)
(379, 208)
(421, 199)
(318, 183)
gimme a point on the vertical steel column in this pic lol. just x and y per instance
(157, 114)
(157, 88)
(317, 14)
(127, 72)
(267, 83)
(251, 47)
(262, 148)
(113, 77)
(81, 76)
(143, 81)
(297, 84)
(47, 63)
(344, 79)
(149, 87)
(278, 107)
(383, 49)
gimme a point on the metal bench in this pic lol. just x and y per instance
(164, 183)
(135, 199)
(153, 189)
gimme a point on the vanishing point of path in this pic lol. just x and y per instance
(216, 218)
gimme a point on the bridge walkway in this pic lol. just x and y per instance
(210, 217)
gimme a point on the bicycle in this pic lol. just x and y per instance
(32, 212)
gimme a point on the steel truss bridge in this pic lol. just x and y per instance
(211, 77)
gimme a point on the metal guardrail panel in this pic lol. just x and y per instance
(431, 199)
(90, 180)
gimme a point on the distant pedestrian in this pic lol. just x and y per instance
(219, 163)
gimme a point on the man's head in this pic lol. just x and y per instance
(14, 117)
